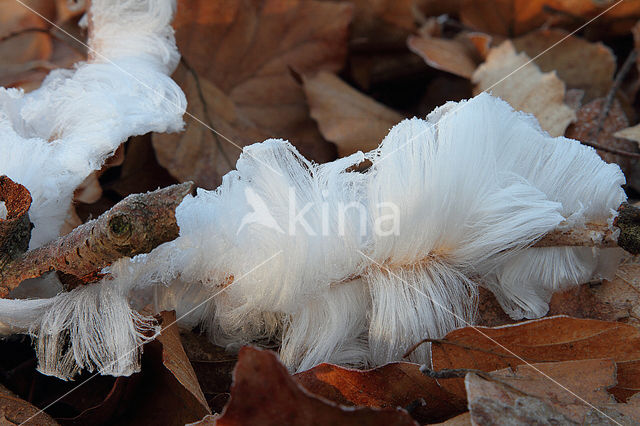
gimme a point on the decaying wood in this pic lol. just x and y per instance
(15, 230)
(136, 225)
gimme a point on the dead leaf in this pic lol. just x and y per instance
(169, 392)
(457, 55)
(263, 393)
(578, 62)
(570, 392)
(213, 366)
(346, 117)
(21, 48)
(14, 411)
(175, 359)
(515, 17)
(503, 17)
(631, 133)
(511, 77)
(550, 339)
(382, 21)
(243, 74)
(585, 129)
(398, 384)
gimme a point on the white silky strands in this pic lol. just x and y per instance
(338, 265)
(52, 138)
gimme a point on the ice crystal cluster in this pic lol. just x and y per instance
(349, 262)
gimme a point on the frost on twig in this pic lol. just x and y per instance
(136, 225)
(52, 138)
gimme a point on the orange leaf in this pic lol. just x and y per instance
(546, 340)
(263, 393)
(393, 385)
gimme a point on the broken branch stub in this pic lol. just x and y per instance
(628, 221)
(15, 229)
(135, 225)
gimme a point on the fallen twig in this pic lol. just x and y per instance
(136, 225)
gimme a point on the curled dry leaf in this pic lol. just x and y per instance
(175, 359)
(346, 117)
(512, 77)
(397, 384)
(213, 366)
(264, 393)
(578, 62)
(457, 56)
(240, 82)
(550, 339)
(168, 393)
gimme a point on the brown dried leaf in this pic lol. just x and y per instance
(509, 76)
(631, 133)
(578, 62)
(562, 392)
(456, 56)
(393, 385)
(551, 339)
(174, 358)
(346, 117)
(244, 72)
(213, 366)
(515, 17)
(170, 393)
(14, 411)
(585, 129)
(382, 20)
(263, 393)
(27, 50)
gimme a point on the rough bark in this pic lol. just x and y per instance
(136, 225)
